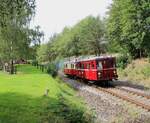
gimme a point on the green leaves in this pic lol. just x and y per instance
(15, 16)
(127, 24)
(86, 37)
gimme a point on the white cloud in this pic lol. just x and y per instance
(54, 15)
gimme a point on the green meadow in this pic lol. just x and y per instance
(22, 99)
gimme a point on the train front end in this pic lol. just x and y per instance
(106, 69)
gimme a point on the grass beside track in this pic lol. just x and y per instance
(137, 72)
(22, 100)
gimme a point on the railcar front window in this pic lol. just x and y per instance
(110, 64)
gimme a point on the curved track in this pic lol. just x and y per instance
(129, 96)
(135, 92)
(134, 97)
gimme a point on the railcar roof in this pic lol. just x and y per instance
(90, 59)
(97, 58)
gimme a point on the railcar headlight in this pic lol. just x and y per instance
(99, 73)
(114, 72)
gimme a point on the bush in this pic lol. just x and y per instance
(52, 69)
(123, 61)
(34, 62)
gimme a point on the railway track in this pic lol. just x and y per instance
(135, 92)
(130, 96)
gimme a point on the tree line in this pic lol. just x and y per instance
(86, 38)
(125, 30)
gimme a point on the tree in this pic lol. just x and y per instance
(35, 36)
(128, 25)
(92, 35)
(14, 19)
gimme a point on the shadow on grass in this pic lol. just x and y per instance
(19, 108)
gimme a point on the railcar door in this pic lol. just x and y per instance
(99, 70)
(82, 70)
(93, 71)
(77, 69)
(87, 70)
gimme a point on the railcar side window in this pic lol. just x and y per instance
(88, 66)
(93, 65)
(73, 66)
(79, 66)
(82, 67)
(99, 65)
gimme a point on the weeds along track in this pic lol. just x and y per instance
(136, 98)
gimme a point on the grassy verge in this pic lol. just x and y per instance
(22, 100)
(137, 72)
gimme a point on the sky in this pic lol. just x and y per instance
(53, 15)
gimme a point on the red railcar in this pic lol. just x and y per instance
(95, 69)
(70, 68)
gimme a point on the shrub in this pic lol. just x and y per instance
(34, 62)
(123, 61)
(146, 72)
(52, 69)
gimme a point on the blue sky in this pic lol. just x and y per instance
(53, 15)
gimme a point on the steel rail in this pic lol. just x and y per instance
(129, 99)
(135, 92)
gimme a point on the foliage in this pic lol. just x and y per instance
(41, 53)
(123, 61)
(15, 35)
(34, 62)
(22, 100)
(36, 37)
(137, 72)
(128, 26)
(52, 69)
(16, 12)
